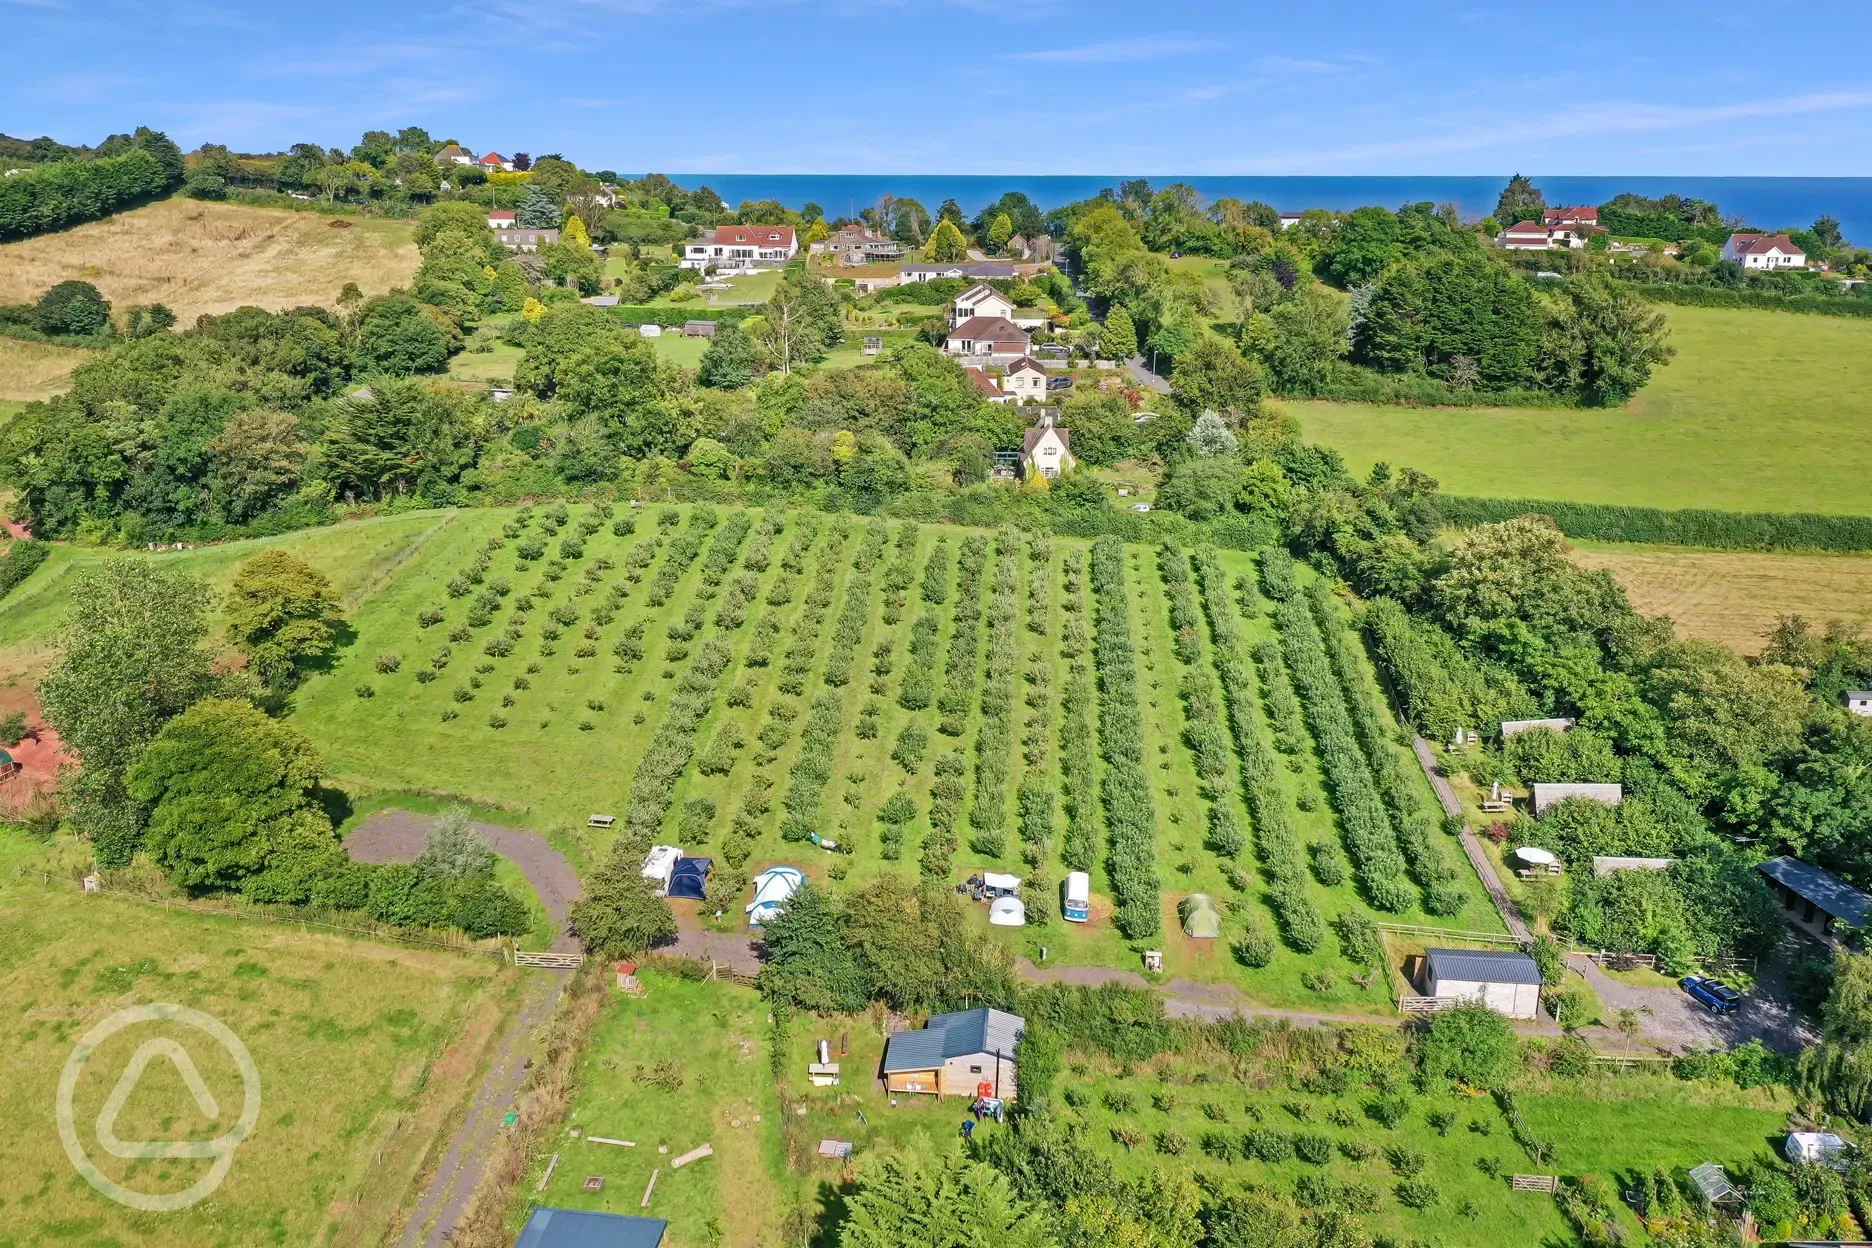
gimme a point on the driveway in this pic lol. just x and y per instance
(398, 836)
(1143, 376)
(1672, 1020)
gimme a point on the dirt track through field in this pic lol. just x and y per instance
(398, 835)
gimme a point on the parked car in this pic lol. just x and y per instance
(1059, 383)
(1712, 994)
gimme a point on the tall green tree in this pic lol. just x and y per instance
(538, 210)
(942, 1201)
(620, 915)
(999, 231)
(1452, 315)
(282, 613)
(72, 307)
(1212, 376)
(809, 964)
(397, 337)
(728, 362)
(1519, 201)
(130, 658)
(1119, 339)
(946, 245)
(1602, 342)
(231, 793)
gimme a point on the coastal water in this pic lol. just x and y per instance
(1765, 203)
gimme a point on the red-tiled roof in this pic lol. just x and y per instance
(984, 383)
(1585, 214)
(493, 158)
(754, 236)
(501, 215)
(1527, 227)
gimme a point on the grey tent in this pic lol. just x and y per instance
(1201, 919)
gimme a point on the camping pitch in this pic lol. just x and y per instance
(1201, 919)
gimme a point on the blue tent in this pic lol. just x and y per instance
(690, 877)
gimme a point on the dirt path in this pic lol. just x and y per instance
(1504, 904)
(446, 1196)
(398, 835)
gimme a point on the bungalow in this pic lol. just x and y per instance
(454, 154)
(1026, 379)
(501, 219)
(989, 387)
(860, 244)
(494, 160)
(1525, 236)
(1047, 448)
(1764, 251)
(1823, 899)
(987, 340)
(518, 238)
(973, 270)
(965, 1054)
(1585, 217)
(742, 247)
(1859, 701)
(1507, 982)
(981, 299)
(1289, 220)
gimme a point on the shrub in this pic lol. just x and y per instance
(365, 691)
(1120, 1101)
(1418, 1194)
(1388, 1111)
(1254, 947)
(425, 675)
(1266, 1144)
(1313, 1148)
(1408, 1162)
(389, 661)
(430, 617)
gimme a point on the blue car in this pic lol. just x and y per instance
(1712, 994)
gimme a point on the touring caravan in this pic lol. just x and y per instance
(660, 865)
(1078, 897)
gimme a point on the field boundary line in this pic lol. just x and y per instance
(364, 592)
(278, 920)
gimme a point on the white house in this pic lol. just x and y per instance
(987, 340)
(1289, 220)
(989, 387)
(981, 299)
(494, 160)
(1764, 251)
(742, 247)
(1859, 701)
(501, 219)
(1047, 449)
(1525, 236)
(977, 270)
(1027, 378)
(1546, 795)
(522, 238)
(1507, 982)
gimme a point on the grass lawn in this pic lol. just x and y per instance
(35, 370)
(1214, 273)
(684, 351)
(197, 256)
(1735, 597)
(1760, 411)
(710, 1042)
(363, 1051)
(497, 363)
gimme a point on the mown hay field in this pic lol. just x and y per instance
(1760, 411)
(363, 1052)
(35, 370)
(197, 256)
(1736, 597)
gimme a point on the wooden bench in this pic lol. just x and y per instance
(600, 821)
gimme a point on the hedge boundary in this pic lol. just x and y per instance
(1723, 297)
(1717, 530)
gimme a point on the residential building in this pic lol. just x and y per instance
(971, 269)
(1525, 236)
(1584, 216)
(454, 154)
(1816, 900)
(525, 238)
(981, 299)
(983, 340)
(860, 244)
(1859, 701)
(1047, 448)
(970, 1053)
(494, 160)
(742, 247)
(579, 1228)
(1764, 251)
(989, 387)
(501, 219)
(1026, 379)
(1289, 220)
(1507, 982)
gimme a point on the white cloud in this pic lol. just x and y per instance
(1113, 51)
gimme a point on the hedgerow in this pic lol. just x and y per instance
(1721, 530)
(945, 808)
(724, 549)
(654, 786)
(1078, 748)
(23, 558)
(812, 768)
(1277, 573)
(1398, 782)
(1363, 822)
(683, 549)
(994, 741)
(936, 574)
(959, 671)
(1130, 819)
(1276, 843)
(1185, 621)
(920, 672)
(848, 630)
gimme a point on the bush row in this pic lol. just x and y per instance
(1439, 687)
(1185, 620)
(1277, 844)
(1040, 584)
(1720, 530)
(66, 192)
(848, 629)
(760, 550)
(812, 768)
(936, 574)
(19, 562)
(725, 548)
(731, 612)
(654, 786)
(959, 670)
(1130, 819)
(1078, 747)
(994, 741)
(1277, 572)
(920, 672)
(683, 549)
(1363, 822)
(1724, 297)
(1398, 782)
(945, 809)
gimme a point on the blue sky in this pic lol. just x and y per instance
(977, 86)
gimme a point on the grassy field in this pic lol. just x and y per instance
(201, 257)
(1760, 411)
(35, 370)
(497, 363)
(1735, 597)
(714, 1087)
(684, 351)
(363, 1052)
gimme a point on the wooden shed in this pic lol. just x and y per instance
(1508, 982)
(956, 1055)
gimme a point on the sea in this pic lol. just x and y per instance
(1764, 203)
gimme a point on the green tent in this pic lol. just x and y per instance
(1201, 919)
